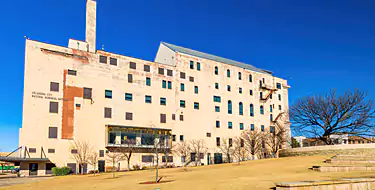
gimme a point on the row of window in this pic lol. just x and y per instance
(240, 107)
(241, 126)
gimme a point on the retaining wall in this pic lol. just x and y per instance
(344, 149)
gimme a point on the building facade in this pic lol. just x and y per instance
(78, 93)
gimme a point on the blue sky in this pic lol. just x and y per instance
(316, 45)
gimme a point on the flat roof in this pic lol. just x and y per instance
(18, 159)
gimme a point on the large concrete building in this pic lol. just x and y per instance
(78, 93)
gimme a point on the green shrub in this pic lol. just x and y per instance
(61, 171)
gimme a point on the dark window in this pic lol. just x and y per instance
(272, 129)
(228, 73)
(208, 134)
(279, 107)
(217, 99)
(169, 72)
(181, 117)
(32, 150)
(230, 125)
(161, 71)
(182, 103)
(107, 112)
(251, 92)
(182, 75)
(173, 137)
(217, 108)
(251, 110)
(148, 81)
(230, 142)
(78, 105)
(108, 94)
(239, 76)
(146, 68)
(182, 87)
(229, 107)
(191, 64)
(217, 141)
(191, 79)
(103, 59)
(261, 110)
(129, 116)
(240, 90)
(241, 126)
(217, 124)
(173, 116)
(113, 61)
(72, 72)
(148, 99)
(74, 151)
(216, 70)
(163, 101)
(53, 107)
(51, 151)
(242, 142)
(228, 88)
(196, 89)
(54, 87)
(128, 96)
(278, 85)
(271, 108)
(164, 84)
(147, 158)
(181, 137)
(133, 65)
(261, 95)
(252, 127)
(163, 118)
(169, 85)
(216, 85)
(130, 78)
(250, 78)
(262, 127)
(196, 105)
(101, 153)
(279, 97)
(52, 132)
(170, 158)
(198, 66)
(87, 93)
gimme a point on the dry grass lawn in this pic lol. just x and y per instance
(259, 174)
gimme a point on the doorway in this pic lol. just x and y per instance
(33, 169)
(101, 166)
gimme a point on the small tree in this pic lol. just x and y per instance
(114, 157)
(183, 149)
(83, 153)
(226, 147)
(239, 151)
(93, 159)
(253, 141)
(200, 149)
(295, 143)
(127, 149)
(275, 140)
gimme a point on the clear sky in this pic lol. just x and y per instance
(316, 45)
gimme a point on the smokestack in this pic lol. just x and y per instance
(91, 25)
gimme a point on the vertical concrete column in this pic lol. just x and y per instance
(24, 169)
(41, 169)
(91, 25)
(118, 137)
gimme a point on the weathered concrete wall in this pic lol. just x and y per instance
(344, 149)
(352, 184)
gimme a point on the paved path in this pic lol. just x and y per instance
(7, 181)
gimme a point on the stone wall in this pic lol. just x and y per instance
(344, 149)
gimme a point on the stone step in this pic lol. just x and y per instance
(353, 157)
(342, 168)
(350, 162)
(346, 183)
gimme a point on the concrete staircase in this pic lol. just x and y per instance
(347, 163)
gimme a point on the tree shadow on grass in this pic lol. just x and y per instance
(153, 182)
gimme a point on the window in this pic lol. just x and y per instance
(173, 117)
(261, 95)
(278, 85)
(51, 151)
(113, 61)
(163, 118)
(262, 128)
(103, 59)
(216, 85)
(208, 134)
(271, 96)
(230, 142)
(271, 117)
(251, 92)
(53, 107)
(148, 81)
(229, 107)
(217, 109)
(167, 159)
(128, 116)
(128, 97)
(217, 141)
(169, 72)
(101, 153)
(241, 126)
(161, 71)
(279, 107)
(133, 65)
(230, 125)
(163, 101)
(261, 110)
(146, 158)
(196, 105)
(228, 88)
(181, 117)
(191, 79)
(216, 70)
(260, 83)
(164, 84)
(251, 110)
(54, 87)
(181, 137)
(169, 85)
(217, 124)
(87, 93)
(239, 76)
(217, 99)
(242, 143)
(52, 132)
(146, 68)
(182, 75)
(252, 127)
(271, 108)
(196, 89)
(148, 99)
(279, 97)
(72, 72)
(250, 78)
(32, 150)
(107, 112)
(240, 90)
(191, 64)
(228, 73)
(130, 78)
(182, 103)
(182, 87)
(108, 94)
(198, 66)
(78, 105)
(173, 137)
(240, 106)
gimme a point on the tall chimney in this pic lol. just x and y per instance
(91, 25)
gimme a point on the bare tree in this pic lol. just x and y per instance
(83, 150)
(200, 149)
(226, 147)
(321, 116)
(253, 141)
(275, 139)
(183, 149)
(93, 159)
(127, 149)
(114, 157)
(159, 142)
(239, 151)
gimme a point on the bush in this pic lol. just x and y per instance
(92, 171)
(61, 171)
(136, 167)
